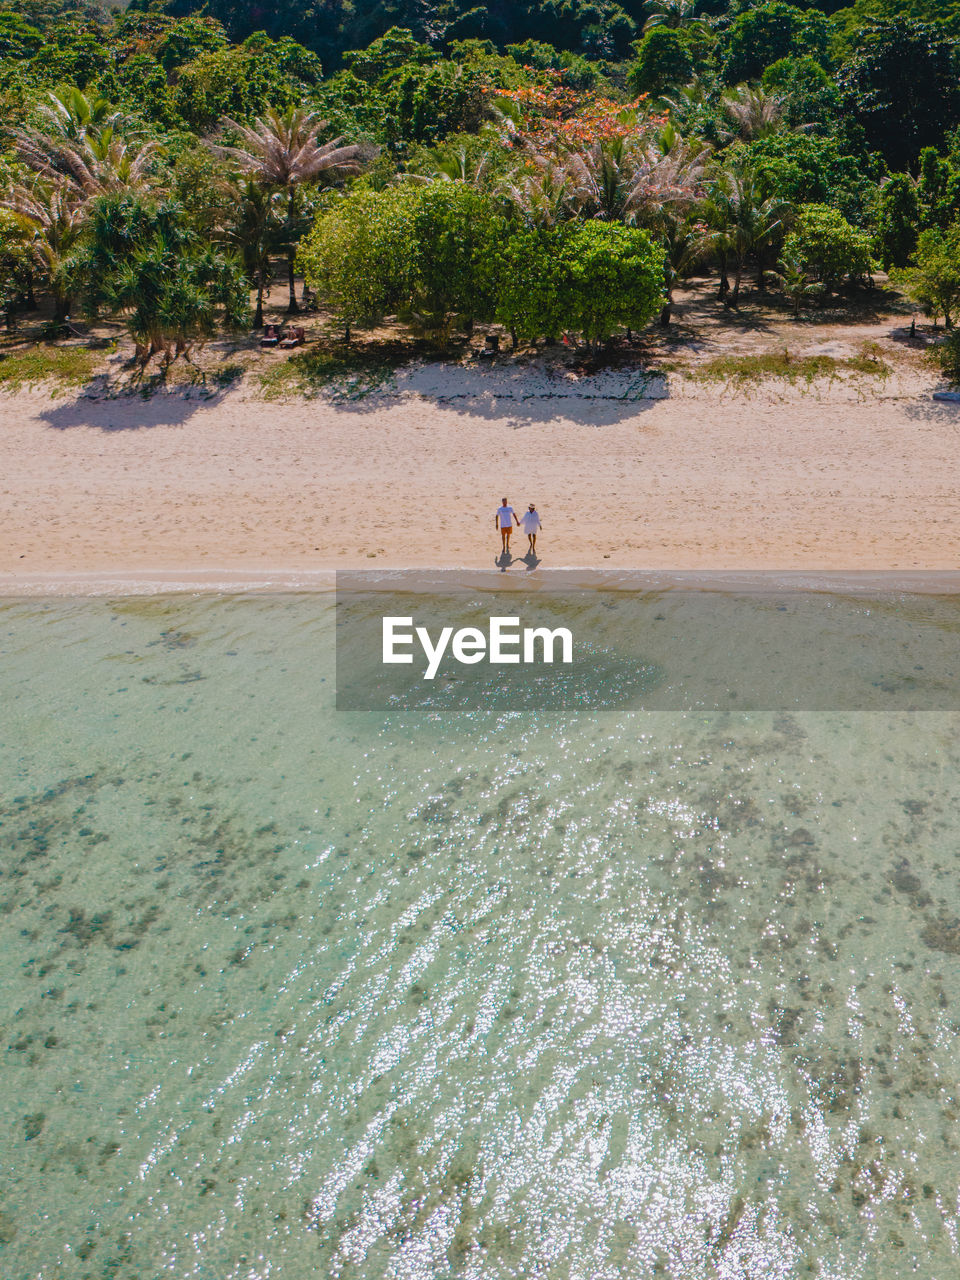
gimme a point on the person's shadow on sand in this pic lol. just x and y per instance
(531, 559)
(503, 561)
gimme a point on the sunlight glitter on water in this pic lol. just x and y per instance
(290, 992)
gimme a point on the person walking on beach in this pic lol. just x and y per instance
(530, 524)
(505, 517)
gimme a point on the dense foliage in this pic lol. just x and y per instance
(555, 167)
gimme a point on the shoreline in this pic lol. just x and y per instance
(79, 585)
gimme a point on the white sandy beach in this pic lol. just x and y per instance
(106, 494)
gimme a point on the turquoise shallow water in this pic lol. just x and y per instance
(290, 992)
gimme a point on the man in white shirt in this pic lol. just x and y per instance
(505, 517)
(531, 526)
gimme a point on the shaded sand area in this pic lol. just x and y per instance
(627, 469)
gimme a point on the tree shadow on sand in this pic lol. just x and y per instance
(522, 396)
(105, 408)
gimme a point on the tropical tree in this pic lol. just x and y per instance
(614, 278)
(742, 222)
(902, 85)
(796, 283)
(140, 258)
(765, 33)
(754, 113)
(825, 244)
(898, 221)
(16, 260)
(253, 231)
(96, 162)
(664, 61)
(934, 280)
(359, 255)
(530, 289)
(54, 214)
(456, 239)
(667, 179)
(72, 114)
(539, 192)
(672, 13)
(684, 240)
(283, 152)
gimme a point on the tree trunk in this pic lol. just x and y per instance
(513, 338)
(738, 276)
(61, 307)
(292, 307)
(724, 279)
(258, 315)
(665, 315)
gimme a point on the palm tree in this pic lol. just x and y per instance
(541, 192)
(253, 231)
(95, 163)
(754, 112)
(742, 221)
(283, 153)
(668, 180)
(601, 175)
(463, 164)
(797, 284)
(672, 13)
(685, 241)
(70, 114)
(53, 214)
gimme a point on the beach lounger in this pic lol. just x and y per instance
(294, 338)
(271, 336)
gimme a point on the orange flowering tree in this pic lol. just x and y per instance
(554, 116)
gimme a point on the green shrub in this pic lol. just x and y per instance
(825, 245)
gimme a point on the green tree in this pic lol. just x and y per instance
(810, 96)
(16, 261)
(897, 221)
(903, 85)
(614, 278)
(456, 236)
(55, 215)
(804, 168)
(934, 280)
(671, 13)
(253, 230)
(825, 245)
(19, 39)
(531, 294)
(360, 254)
(796, 283)
(765, 34)
(391, 51)
(186, 39)
(140, 259)
(663, 62)
(282, 152)
(745, 222)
